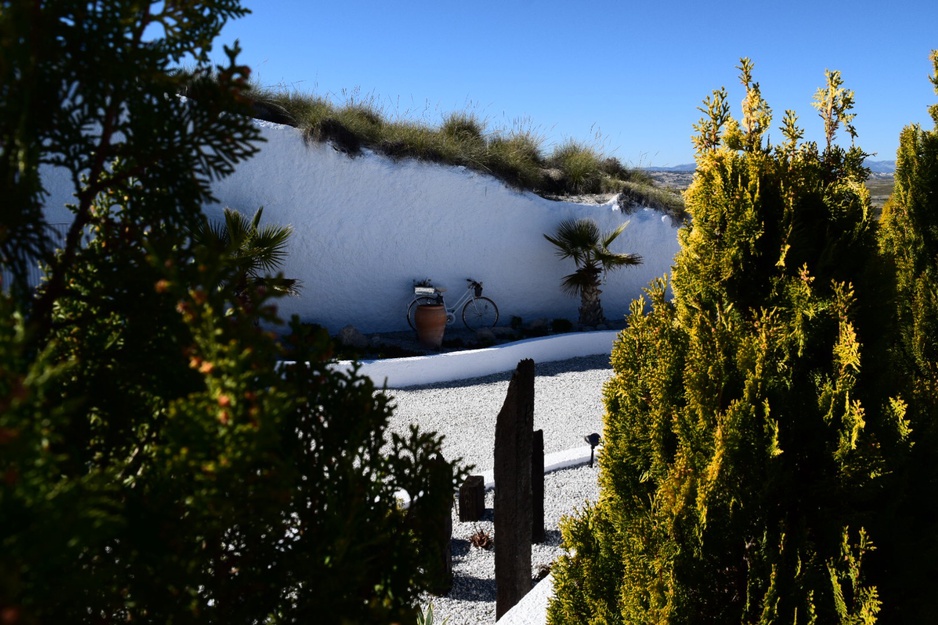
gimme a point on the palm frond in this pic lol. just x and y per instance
(279, 284)
(269, 246)
(575, 238)
(612, 235)
(612, 260)
(578, 281)
(582, 240)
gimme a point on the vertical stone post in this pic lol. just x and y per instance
(537, 487)
(472, 498)
(438, 525)
(513, 433)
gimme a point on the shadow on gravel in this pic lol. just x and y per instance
(459, 547)
(467, 588)
(542, 369)
(552, 538)
(573, 365)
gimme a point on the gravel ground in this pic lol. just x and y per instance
(472, 598)
(567, 406)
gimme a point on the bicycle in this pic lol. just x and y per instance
(477, 311)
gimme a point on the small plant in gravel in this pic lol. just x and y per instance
(427, 617)
(542, 571)
(482, 539)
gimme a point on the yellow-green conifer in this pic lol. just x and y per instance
(909, 240)
(743, 457)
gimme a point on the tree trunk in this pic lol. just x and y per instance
(591, 309)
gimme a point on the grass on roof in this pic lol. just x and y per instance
(514, 156)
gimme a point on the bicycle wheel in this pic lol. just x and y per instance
(480, 312)
(412, 308)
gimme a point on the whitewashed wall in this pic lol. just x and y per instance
(367, 227)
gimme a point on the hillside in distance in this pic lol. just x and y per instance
(877, 167)
(880, 182)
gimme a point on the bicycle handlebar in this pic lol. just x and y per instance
(429, 289)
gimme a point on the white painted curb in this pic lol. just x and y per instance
(462, 365)
(552, 462)
(532, 609)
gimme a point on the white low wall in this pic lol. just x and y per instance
(367, 227)
(466, 364)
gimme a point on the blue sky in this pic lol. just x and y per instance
(623, 77)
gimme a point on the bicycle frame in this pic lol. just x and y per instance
(451, 312)
(486, 314)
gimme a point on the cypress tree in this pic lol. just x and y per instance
(745, 453)
(909, 240)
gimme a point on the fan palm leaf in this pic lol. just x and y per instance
(582, 241)
(254, 252)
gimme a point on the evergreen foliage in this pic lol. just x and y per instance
(157, 464)
(748, 448)
(909, 239)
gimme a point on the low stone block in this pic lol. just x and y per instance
(472, 498)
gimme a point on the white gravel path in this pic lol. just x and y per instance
(567, 406)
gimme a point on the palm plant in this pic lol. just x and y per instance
(582, 240)
(253, 253)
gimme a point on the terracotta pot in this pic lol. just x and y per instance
(430, 320)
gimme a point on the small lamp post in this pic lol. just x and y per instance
(594, 440)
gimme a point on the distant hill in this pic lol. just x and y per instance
(676, 168)
(877, 167)
(882, 167)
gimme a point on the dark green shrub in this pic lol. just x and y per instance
(336, 133)
(516, 160)
(748, 449)
(561, 326)
(909, 238)
(613, 167)
(159, 464)
(463, 127)
(636, 194)
(362, 120)
(580, 165)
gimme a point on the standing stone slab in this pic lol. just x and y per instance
(472, 498)
(537, 487)
(436, 525)
(513, 436)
